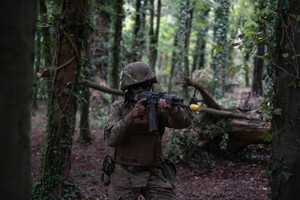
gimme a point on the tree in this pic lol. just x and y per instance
(188, 30)
(220, 34)
(119, 16)
(285, 171)
(154, 35)
(85, 134)
(136, 54)
(16, 44)
(199, 51)
(56, 159)
(179, 41)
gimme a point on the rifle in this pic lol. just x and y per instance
(152, 99)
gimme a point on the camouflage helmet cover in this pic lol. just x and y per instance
(135, 73)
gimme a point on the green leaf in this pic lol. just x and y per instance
(286, 175)
(298, 18)
(295, 56)
(268, 138)
(277, 111)
(285, 55)
(219, 48)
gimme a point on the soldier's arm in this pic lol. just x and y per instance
(115, 127)
(176, 117)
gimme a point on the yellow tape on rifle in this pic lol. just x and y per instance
(195, 107)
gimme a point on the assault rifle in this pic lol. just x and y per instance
(152, 99)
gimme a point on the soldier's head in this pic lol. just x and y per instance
(137, 77)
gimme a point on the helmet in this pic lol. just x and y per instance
(135, 73)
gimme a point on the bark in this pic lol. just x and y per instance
(84, 125)
(174, 61)
(188, 28)
(16, 69)
(56, 163)
(85, 134)
(257, 85)
(102, 88)
(101, 39)
(37, 68)
(246, 132)
(154, 35)
(46, 34)
(285, 173)
(136, 56)
(117, 44)
(208, 100)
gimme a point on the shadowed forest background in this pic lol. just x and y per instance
(237, 59)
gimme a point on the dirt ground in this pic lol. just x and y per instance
(227, 180)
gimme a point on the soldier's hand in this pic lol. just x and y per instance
(166, 108)
(139, 109)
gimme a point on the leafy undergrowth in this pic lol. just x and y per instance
(236, 178)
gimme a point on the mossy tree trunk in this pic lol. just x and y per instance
(285, 169)
(16, 69)
(119, 16)
(220, 35)
(153, 35)
(56, 162)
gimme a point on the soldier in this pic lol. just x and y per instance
(139, 166)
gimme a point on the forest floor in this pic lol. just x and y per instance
(225, 179)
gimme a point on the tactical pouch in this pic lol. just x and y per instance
(169, 171)
(107, 167)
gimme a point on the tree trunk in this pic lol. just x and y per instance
(154, 36)
(188, 28)
(135, 55)
(46, 47)
(117, 44)
(219, 60)
(173, 62)
(37, 67)
(85, 134)
(101, 38)
(56, 162)
(177, 64)
(285, 180)
(16, 66)
(257, 85)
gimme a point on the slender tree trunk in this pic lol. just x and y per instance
(173, 62)
(16, 69)
(37, 67)
(46, 47)
(56, 163)
(257, 85)
(135, 36)
(154, 36)
(285, 180)
(188, 28)
(85, 134)
(196, 52)
(219, 60)
(179, 42)
(101, 38)
(117, 44)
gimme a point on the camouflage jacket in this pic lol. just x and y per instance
(114, 130)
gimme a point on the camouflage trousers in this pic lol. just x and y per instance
(128, 184)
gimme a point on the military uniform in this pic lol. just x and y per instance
(139, 162)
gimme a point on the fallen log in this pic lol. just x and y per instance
(96, 86)
(245, 132)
